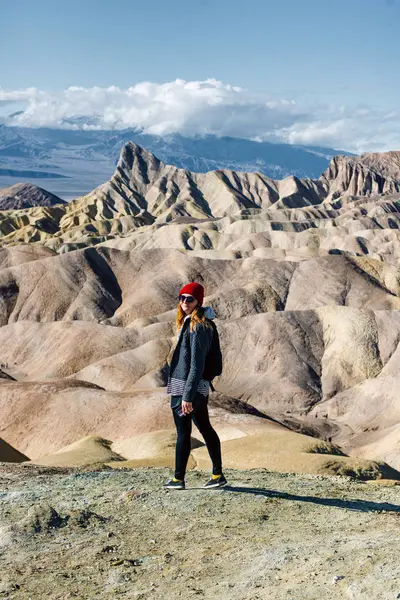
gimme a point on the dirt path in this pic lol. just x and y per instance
(266, 536)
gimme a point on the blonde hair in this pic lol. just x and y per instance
(196, 318)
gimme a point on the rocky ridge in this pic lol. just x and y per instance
(355, 194)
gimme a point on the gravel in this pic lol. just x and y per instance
(105, 534)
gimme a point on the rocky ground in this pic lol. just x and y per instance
(76, 533)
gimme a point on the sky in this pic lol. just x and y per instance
(300, 71)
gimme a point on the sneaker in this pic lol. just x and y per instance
(214, 483)
(174, 484)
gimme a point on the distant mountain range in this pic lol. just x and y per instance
(144, 194)
(71, 162)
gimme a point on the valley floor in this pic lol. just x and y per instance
(105, 534)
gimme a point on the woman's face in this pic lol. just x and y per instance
(188, 303)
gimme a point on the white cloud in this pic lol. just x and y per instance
(200, 107)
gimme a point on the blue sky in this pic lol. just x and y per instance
(320, 55)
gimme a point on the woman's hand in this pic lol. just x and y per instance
(187, 407)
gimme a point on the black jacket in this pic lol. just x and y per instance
(187, 363)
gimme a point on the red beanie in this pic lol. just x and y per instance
(194, 289)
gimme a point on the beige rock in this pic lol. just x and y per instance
(366, 419)
(292, 454)
(384, 482)
(149, 445)
(42, 418)
(89, 450)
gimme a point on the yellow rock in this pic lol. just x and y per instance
(257, 451)
(89, 450)
(388, 482)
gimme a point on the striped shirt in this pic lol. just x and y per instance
(176, 387)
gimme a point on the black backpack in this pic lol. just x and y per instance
(213, 362)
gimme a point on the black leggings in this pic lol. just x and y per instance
(184, 429)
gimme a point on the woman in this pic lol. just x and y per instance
(189, 391)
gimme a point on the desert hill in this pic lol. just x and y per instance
(303, 275)
(26, 195)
